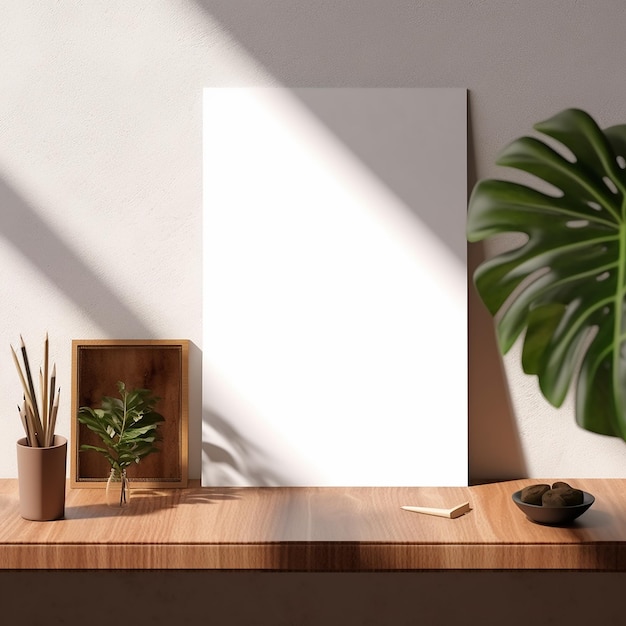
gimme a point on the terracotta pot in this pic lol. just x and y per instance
(41, 474)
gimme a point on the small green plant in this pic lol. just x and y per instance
(127, 426)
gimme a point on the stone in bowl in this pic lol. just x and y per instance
(553, 515)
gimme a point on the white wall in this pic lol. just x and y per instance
(100, 163)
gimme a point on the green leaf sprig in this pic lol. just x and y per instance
(126, 425)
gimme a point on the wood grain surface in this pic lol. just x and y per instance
(314, 529)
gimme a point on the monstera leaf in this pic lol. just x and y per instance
(564, 288)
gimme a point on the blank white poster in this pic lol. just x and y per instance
(335, 316)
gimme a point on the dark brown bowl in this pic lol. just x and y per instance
(553, 515)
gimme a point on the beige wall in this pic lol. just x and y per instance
(100, 164)
(100, 141)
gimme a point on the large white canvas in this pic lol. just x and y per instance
(334, 305)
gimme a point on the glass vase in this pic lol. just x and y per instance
(118, 488)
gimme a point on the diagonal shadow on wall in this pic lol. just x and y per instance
(387, 156)
(40, 245)
(372, 150)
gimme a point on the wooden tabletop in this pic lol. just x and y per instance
(313, 529)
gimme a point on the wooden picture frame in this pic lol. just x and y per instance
(159, 365)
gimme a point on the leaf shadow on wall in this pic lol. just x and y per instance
(233, 457)
(24, 230)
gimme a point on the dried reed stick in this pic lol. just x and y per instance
(22, 413)
(43, 400)
(33, 396)
(44, 387)
(27, 398)
(39, 427)
(37, 441)
(53, 419)
(53, 380)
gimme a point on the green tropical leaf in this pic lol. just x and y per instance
(563, 289)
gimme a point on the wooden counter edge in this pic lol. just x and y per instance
(315, 557)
